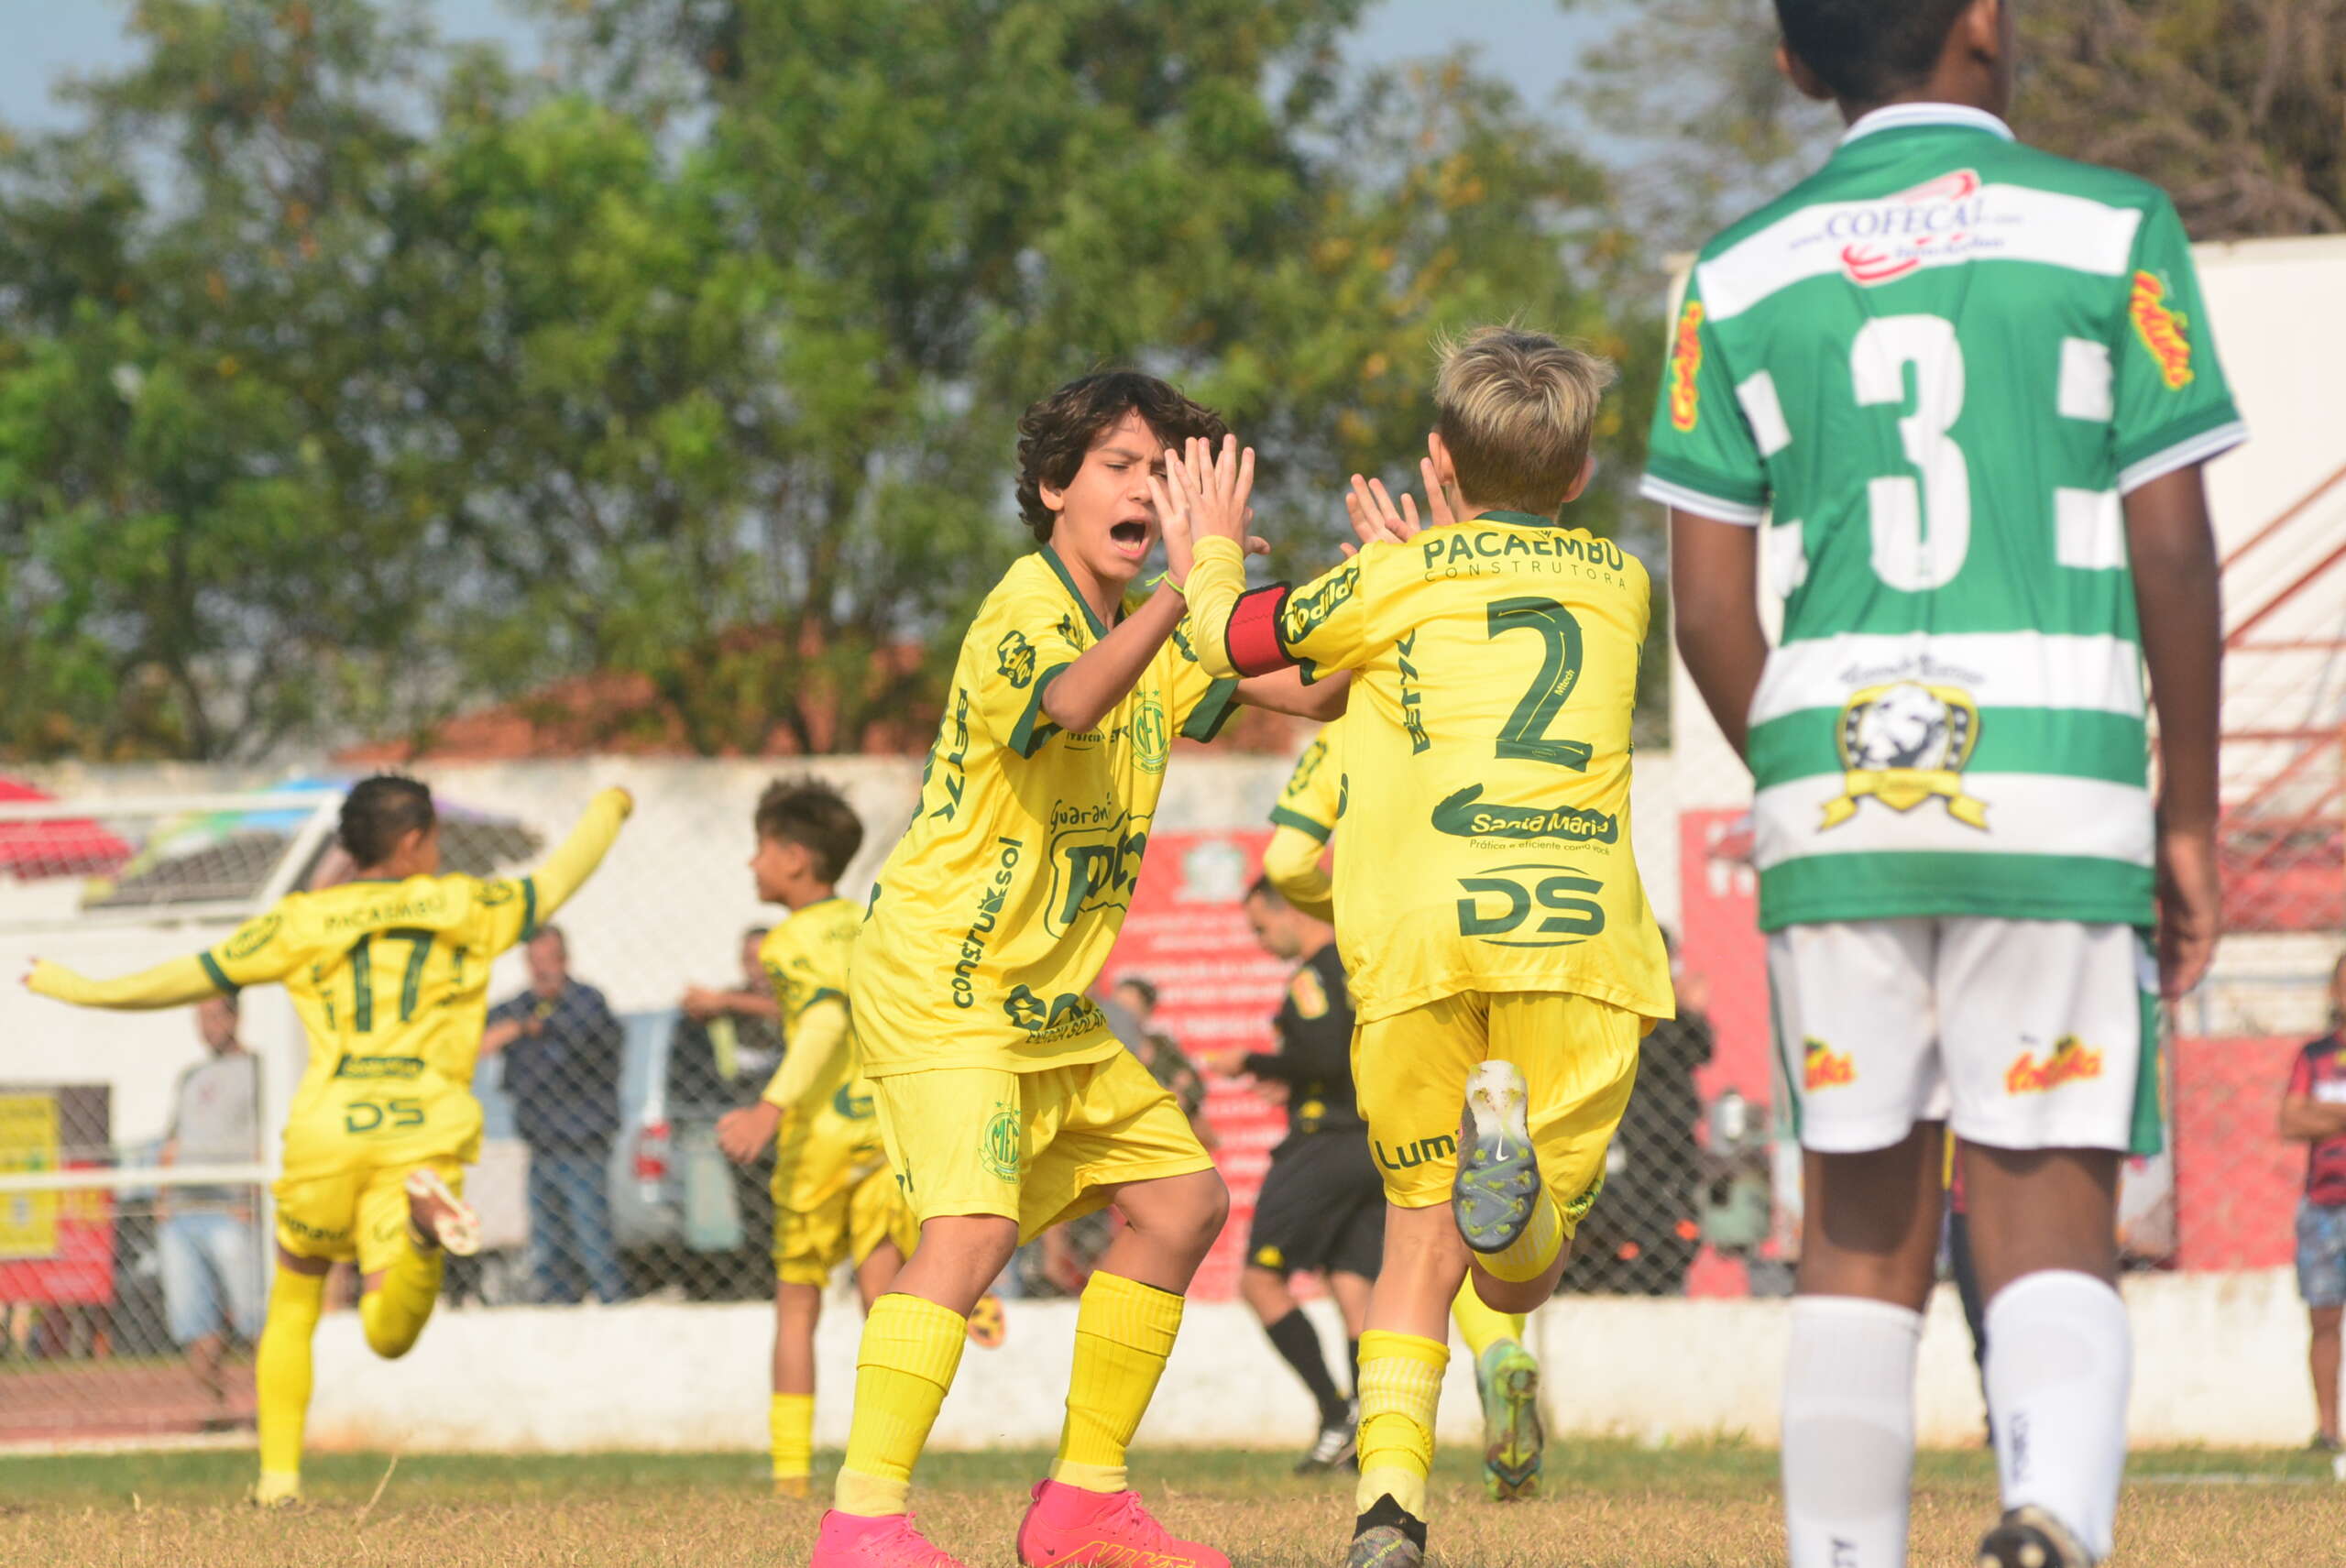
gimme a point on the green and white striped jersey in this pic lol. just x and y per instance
(1931, 371)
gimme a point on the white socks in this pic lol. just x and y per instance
(1849, 1431)
(2059, 1362)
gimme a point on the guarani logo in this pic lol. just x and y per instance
(998, 1145)
(1151, 738)
(1685, 362)
(1460, 816)
(1904, 745)
(2162, 331)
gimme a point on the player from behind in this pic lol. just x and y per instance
(1005, 1103)
(1507, 1375)
(1498, 941)
(389, 972)
(834, 1201)
(1966, 388)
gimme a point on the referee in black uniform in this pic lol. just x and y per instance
(1322, 1205)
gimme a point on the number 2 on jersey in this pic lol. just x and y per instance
(362, 975)
(1525, 734)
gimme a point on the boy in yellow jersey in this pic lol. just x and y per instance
(1005, 1103)
(1507, 1375)
(834, 1201)
(389, 972)
(1499, 943)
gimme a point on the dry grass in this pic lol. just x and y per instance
(1609, 1503)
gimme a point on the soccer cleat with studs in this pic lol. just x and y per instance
(1497, 1189)
(437, 1217)
(1513, 1440)
(2028, 1536)
(1068, 1527)
(1388, 1535)
(1338, 1443)
(890, 1540)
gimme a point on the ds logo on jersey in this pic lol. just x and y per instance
(1499, 908)
(1904, 744)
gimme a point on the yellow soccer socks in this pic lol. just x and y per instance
(281, 1378)
(395, 1312)
(790, 1420)
(1124, 1333)
(1482, 1326)
(911, 1349)
(1529, 1254)
(1400, 1385)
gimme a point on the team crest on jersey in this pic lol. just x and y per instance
(2161, 330)
(1685, 361)
(2071, 1061)
(1883, 241)
(1308, 993)
(1904, 745)
(1152, 738)
(1015, 656)
(1822, 1067)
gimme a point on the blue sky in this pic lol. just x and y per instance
(1532, 43)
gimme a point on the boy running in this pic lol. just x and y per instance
(1499, 945)
(834, 1201)
(1507, 1375)
(390, 974)
(1967, 388)
(1006, 1105)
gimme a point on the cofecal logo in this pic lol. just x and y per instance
(2161, 330)
(1885, 240)
(1685, 360)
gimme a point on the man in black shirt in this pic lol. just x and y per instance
(1322, 1205)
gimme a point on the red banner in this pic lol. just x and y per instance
(1217, 990)
(1723, 959)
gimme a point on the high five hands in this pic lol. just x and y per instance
(1377, 520)
(1203, 496)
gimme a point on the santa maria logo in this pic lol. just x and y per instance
(1825, 1068)
(2071, 1062)
(1015, 655)
(998, 1145)
(2161, 330)
(1883, 241)
(1152, 738)
(1904, 745)
(1685, 362)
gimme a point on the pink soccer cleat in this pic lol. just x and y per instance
(855, 1540)
(1070, 1527)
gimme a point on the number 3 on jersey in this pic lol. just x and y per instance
(1920, 532)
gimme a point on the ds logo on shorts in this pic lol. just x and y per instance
(2071, 1062)
(998, 1145)
(1825, 1068)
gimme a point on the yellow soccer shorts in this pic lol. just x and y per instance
(1578, 1056)
(834, 1201)
(348, 1152)
(1039, 1147)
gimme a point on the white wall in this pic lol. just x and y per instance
(2219, 1361)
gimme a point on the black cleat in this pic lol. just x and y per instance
(2028, 1536)
(1388, 1535)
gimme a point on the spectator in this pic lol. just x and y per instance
(1641, 1236)
(211, 1264)
(2313, 1112)
(1159, 1051)
(562, 1045)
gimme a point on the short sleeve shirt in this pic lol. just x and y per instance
(2320, 1074)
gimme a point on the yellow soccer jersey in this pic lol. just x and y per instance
(389, 978)
(1313, 796)
(995, 912)
(1485, 755)
(805, 961)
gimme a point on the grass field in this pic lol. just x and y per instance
(1705, 1506)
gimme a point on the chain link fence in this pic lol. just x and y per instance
(135, 1227)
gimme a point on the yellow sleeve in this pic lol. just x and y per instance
(1291, 861)
(1203, 702)
(1025, 639)
(174, 982)
(815, 1041)
(1325, 620)
(513, 908)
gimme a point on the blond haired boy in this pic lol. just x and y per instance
(1501, 950)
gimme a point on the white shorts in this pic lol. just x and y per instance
(2018, 1033)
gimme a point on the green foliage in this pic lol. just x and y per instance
(348, 380)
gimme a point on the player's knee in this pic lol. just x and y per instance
(389, 1336)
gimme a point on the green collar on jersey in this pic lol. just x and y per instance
(1517, 519)
(1075, 593)
(1915, 116)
